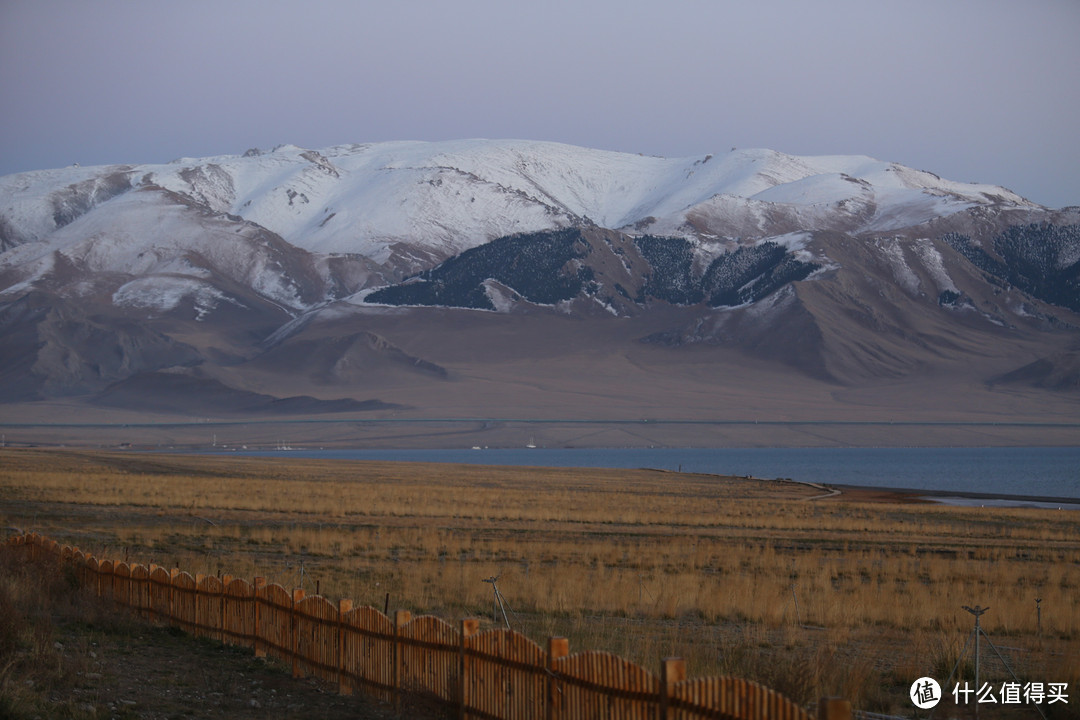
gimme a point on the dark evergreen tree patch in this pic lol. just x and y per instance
(975, 254)
(533, 264)
(549, 267)
(751, 273)
(671, 279)
(1044, 261)
(1041, 259)
(948, 297)
(788, 270)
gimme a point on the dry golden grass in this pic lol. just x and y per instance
(742, 576)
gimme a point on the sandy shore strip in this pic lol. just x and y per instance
(864, 493)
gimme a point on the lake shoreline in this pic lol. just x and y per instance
(868, 493)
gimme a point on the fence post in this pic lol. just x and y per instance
(558, 647)
(173, 574)
(199, 629)
(297, 596)
(151, 615)
(127, 584)
(401, 618)
(469, 627)
(834, 708)
(672, 671)
(260, 590)
(225, 580)
(344, 684)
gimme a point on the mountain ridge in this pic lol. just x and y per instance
(318, 273)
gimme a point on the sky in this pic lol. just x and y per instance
(973, 90)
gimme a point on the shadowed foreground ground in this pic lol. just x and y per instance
(68, 656)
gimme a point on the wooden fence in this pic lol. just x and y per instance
(495, 674)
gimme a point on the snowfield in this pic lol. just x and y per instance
(453, 195)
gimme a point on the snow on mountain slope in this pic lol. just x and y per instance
(445, 197)
(34, 204)
(147, 233)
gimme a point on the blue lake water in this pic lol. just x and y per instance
(1049, 472)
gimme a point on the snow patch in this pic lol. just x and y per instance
(893, 253)
(707, 250)
(500, 296)
(764, 309)
(796, 244)
(934, 263)
(824, 189)
(163, 293)
(608, 307)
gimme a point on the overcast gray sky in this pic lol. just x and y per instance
(974, 90)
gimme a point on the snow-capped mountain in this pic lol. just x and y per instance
(402, 205)
(233, 267)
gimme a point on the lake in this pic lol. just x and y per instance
(1045, 472)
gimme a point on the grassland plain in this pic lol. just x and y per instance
(764, 579)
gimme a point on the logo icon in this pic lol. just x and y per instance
(925, 693)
